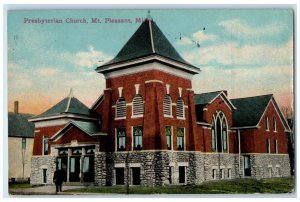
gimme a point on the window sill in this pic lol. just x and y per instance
(180, 118)
(120, 118)
(137, 116)
(167, 116)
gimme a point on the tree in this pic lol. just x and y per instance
(289, 116)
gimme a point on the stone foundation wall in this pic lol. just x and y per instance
(155, 166)
(38, 163)
(225, 166)
(268, 165)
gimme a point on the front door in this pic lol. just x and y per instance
(74, 169)
(88, 169)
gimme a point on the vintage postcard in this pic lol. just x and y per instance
(178, 101)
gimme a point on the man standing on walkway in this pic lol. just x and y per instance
(58, 179)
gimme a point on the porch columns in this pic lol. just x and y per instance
(83, 152)
(68, 168)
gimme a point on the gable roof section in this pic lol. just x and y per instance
(282, 118)
(249, 110)
(90, 128)
(146, 41)
(205, 98)
(208, 98)
(67, 105)
(19, 126)
(98, 101)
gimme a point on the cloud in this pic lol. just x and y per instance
(48, 71)
(244, 81)
(232, 54)
(240, 27)
(89, 58)
(198, 36)
(202, 36)
(185, 41)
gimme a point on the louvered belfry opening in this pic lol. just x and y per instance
(121, 108)
(180, 108)
(138, 106)
(167, 105)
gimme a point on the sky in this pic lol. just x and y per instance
(246, 52)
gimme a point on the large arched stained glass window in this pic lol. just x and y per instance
(219, 133)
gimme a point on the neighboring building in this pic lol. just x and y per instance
(20, 144)
(155, 130)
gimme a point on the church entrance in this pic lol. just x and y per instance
(76, 163)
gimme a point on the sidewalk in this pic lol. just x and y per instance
(42, 190)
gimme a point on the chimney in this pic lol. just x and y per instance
(16, 107)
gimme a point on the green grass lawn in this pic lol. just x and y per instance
(241, 186)
(20, 186)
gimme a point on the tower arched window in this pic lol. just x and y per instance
(121, 108)
(219, 132)
(137, 106)
(167, 106)
(180, 108)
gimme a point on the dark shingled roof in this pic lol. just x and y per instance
(19, 126)
(140, 45)
(205, 98)
(68, 105)
(249, 110)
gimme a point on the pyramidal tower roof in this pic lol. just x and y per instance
(148, 41)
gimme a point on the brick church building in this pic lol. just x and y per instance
(149, 128)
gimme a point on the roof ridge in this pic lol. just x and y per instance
(70, 96)
(252, 96)
(151, 35)
(210, 92)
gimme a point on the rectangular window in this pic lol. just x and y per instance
(136, 179)
(222, 173)
(270, 171)
(44, 175)
(171, 175)
(214, 174)
(23, 143)
(119, 176)
(121, 139)
(278, 171)
(181, 174)
(213, 139)
(275, 147)
(274, 124)
(229, 173)
(268, 146)
(267, 124)
(138, 137)
(45, 145)
(169, 137)
(180, 138)
(247, 166)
